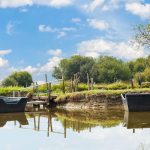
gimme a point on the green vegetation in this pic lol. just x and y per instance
(8, 91)
(143, 34)
(104, 69)
(78, 95)
(22, 78)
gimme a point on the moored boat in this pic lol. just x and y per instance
(12, 104)
(136, 102)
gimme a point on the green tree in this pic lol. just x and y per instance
(75, 64)
(22, 78)
(109, 69)
(142, 34)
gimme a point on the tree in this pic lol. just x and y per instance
(109, 69)
(143, 35)
(76, 64)
(22, 78)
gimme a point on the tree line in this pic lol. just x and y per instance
(104, 69)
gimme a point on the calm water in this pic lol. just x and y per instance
(91, 130)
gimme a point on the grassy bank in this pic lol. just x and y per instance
(8, 91)
(83, 94)
(105, 89)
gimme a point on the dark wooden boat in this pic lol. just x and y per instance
(136, 102)
(12, 104)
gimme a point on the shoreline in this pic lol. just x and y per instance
(96, 99)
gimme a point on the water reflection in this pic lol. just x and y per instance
(75, 120)
(71, 130)
(135, 120)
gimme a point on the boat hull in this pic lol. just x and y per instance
(136, 102)
(11, 105)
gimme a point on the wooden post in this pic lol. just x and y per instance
(92, 83)
(14, 93)
(33, 88)
(71, 85)
(63, 84)
(19, 95)
(49, 91)
(37, 90)
(47, 88)
(88, 81)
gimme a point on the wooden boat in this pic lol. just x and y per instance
(136, 102)
(12, 104)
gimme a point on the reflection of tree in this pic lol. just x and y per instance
(81, 120)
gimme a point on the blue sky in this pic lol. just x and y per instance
(37, 34)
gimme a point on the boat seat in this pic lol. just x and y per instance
(8, 100)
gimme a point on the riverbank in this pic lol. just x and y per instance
(95, 99)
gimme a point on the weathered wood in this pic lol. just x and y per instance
(37, 90)
(88, 81)
(92, 84)
(63, 84)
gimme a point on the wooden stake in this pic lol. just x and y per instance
(88, 81)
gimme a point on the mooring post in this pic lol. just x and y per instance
(33, 88)
(14, 93)
(19, 93)
(88, 81)
(92, 83)
(37, 90)
(63, 84)
(47, 88)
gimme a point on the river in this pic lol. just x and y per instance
(75, 130)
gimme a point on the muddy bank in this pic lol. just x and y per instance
(98, 102)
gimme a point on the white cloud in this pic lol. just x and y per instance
(76, 20)
(61, 34)
(30, 69)
(103, 5)
(68, 29)
(3, 62)
(93, 5)
(5, 52)
(9, 28)
(54, 3)
(56, 52)
(45, 68)
(21, 3)
(49, 66)
(142, 10)
(98, 24)
(99, 47)
(44, 28)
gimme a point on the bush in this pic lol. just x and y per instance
(146, 85)
(117, 86)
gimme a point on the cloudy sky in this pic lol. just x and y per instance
(36, 34)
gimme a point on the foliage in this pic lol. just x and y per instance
(21, 78)
(144, 76)
(109, 69)
(8, 91)
(143, 34)
(75, 64)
